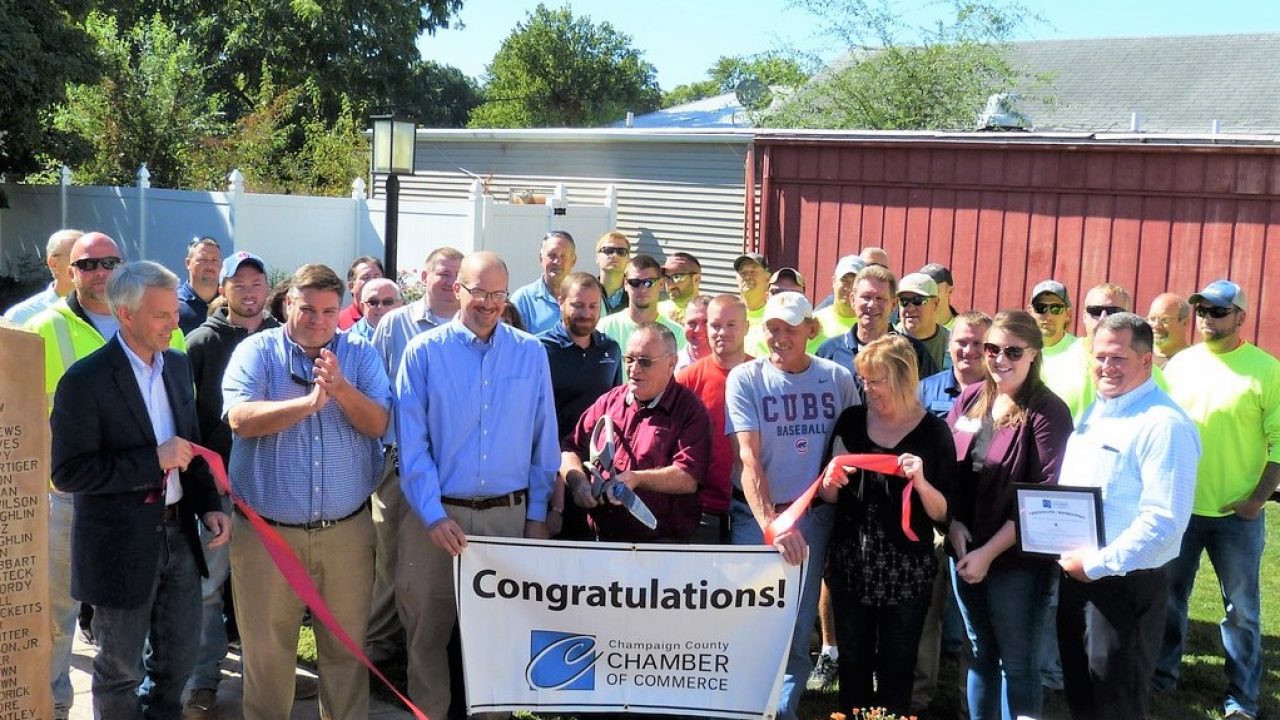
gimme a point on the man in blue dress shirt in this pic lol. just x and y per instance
(476, 425)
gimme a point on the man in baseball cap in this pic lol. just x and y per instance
(918, 304)
(232, 264)
(941, 275)
(836, 315)
(753, 285)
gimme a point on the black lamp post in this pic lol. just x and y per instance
(394, 145)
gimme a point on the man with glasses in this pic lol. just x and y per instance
(782, 280)
(437, 306)
(918, 300)
(1069, 374)
(1051, 307)
(683, 276)
(377, 298)
(613, 249)
(204, 260)
(56, 256)
(780, 411)
(308, 407)
(476, 425)
(663, 446)
(1170, 316)
(1231, 389)
(73, 328)
(753, 284)
(538, 302)
(872, 299)
(642, 278)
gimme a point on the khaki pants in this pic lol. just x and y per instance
(340, 562)
(385, 638)
(425, 597)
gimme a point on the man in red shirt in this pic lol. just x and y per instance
(726, 333)
(663, 445)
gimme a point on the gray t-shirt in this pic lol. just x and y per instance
(107, 325)
(794, 414)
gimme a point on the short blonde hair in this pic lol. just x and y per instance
(615, 236)
(896, 358)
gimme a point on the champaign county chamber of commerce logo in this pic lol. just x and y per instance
(561, 661)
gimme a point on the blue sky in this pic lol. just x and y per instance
(682, 38)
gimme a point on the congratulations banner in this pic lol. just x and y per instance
(609, 627)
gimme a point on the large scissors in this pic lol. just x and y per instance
(603, 449)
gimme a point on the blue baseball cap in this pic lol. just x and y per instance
(1221, 293)
(235, 260)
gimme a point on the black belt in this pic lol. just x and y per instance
(737, 494)
(314, 524)
(508, 500)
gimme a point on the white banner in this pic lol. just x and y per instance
(609, 627)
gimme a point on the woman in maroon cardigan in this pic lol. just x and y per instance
(1007, 429)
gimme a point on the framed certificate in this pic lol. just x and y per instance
(1053, 519)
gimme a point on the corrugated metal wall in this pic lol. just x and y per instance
(671, 195)
(1004, 216)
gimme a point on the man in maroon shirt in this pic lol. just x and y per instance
(726, 334)
(663, 445)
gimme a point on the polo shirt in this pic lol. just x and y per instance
(938, 392)
(539, 309)
(192, 309)
(579, 375)
(671, 429)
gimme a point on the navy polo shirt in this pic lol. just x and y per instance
(938, 392)
(579, 375)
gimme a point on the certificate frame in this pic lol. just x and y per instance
(1053, 519)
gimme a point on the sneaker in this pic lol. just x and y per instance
(202, 705)
(304, 687)
(824, 673)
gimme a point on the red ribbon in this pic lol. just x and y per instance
(875, 462)
(295, 574)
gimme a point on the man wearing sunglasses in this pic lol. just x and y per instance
(613, 249)
(308, 407)
(73, 328)
(1231, 389)
(663, 446)
(539, 302)
(1069, 374)
(918, 304)
(1051, 307)
(642, 279)
(377, 298)
(56, 257)
(1170, 316)
(204, 260)
(683, 276)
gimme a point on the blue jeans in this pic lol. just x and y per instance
(65, 610)
(213, 629)
(815, 525)
(1005, 615)
(1235, 549)
(163, 627)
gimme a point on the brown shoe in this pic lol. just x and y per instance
(202, 705)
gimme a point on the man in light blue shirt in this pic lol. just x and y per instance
(1137, 445)
(57, 256)
(476, 425)
(539, 301)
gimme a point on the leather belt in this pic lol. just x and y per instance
(314, 524)
(508, 500)
(737, 494)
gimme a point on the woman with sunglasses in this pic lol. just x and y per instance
(880, 562)
(1009, 428)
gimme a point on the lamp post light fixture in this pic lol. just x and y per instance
(394, 144)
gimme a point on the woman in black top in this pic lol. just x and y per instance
(880, 564)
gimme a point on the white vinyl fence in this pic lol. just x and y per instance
(286, 230)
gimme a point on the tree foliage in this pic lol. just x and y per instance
(771, 69)
(898, 77)
(42, 48)
(557, 70)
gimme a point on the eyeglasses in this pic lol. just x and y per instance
(385, 302)
(1012, 352)
(615, 251)
(916, 301)
(1098, 311)
(498, 296)
(304, 375)
(641, 282)
(203, 240)
(1048, 309)
(680, 277)
(1217, 313)
(91, 264)
(644, 362)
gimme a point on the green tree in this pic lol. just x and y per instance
(42, 48)
(555, 70)
(149, 107)
(903, 78)
(438, 96)
(770, 68)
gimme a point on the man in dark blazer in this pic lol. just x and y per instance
(123, 423)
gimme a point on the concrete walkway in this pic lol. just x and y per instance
(229, 691)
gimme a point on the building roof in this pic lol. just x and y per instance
(718, 111)
(1175, 84)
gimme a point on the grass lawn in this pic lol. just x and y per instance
(1198, 696)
